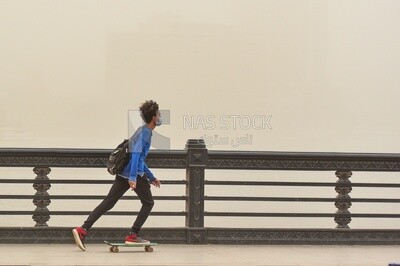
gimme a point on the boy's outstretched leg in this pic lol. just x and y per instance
(118, 189)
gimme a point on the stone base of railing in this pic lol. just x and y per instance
(62, 235)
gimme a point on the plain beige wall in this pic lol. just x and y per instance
(326, 71)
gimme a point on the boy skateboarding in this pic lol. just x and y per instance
(135, 176)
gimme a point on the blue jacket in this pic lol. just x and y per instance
(139, 147)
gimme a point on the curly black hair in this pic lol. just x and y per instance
(148, 109)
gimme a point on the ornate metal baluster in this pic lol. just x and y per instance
(343, 200)
(41, 199)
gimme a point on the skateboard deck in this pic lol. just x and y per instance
(114, 246)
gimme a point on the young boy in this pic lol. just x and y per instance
(135, 175)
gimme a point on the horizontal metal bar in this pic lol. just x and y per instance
(211, 153)
(214, 154)
(385, 185)
(209, 182)
(263, 214)
(223, 198)
(85, 197)
(265, 183)
(69, 213)
(119, 213)
(220, 214)
(211, 198)
(227, 236)
(79, 181)
(315, 215)
(177, 159)
(375, 215)
(83, 158)
(304, 184)
(303, 161)
(377, 200)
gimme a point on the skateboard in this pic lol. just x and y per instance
(114, 246)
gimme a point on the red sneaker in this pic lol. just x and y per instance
(79, 236)
(134, 239)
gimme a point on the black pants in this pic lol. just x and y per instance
(118, 189)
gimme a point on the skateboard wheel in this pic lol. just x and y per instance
(114, 249)
(148, 248)
(111, 249)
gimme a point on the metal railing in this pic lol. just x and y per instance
(196, 159)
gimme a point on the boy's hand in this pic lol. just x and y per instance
(156, 183)
(132, 184)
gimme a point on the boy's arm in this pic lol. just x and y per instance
(137, 148)
(151, 177)
(149, 173)
(134, 165)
